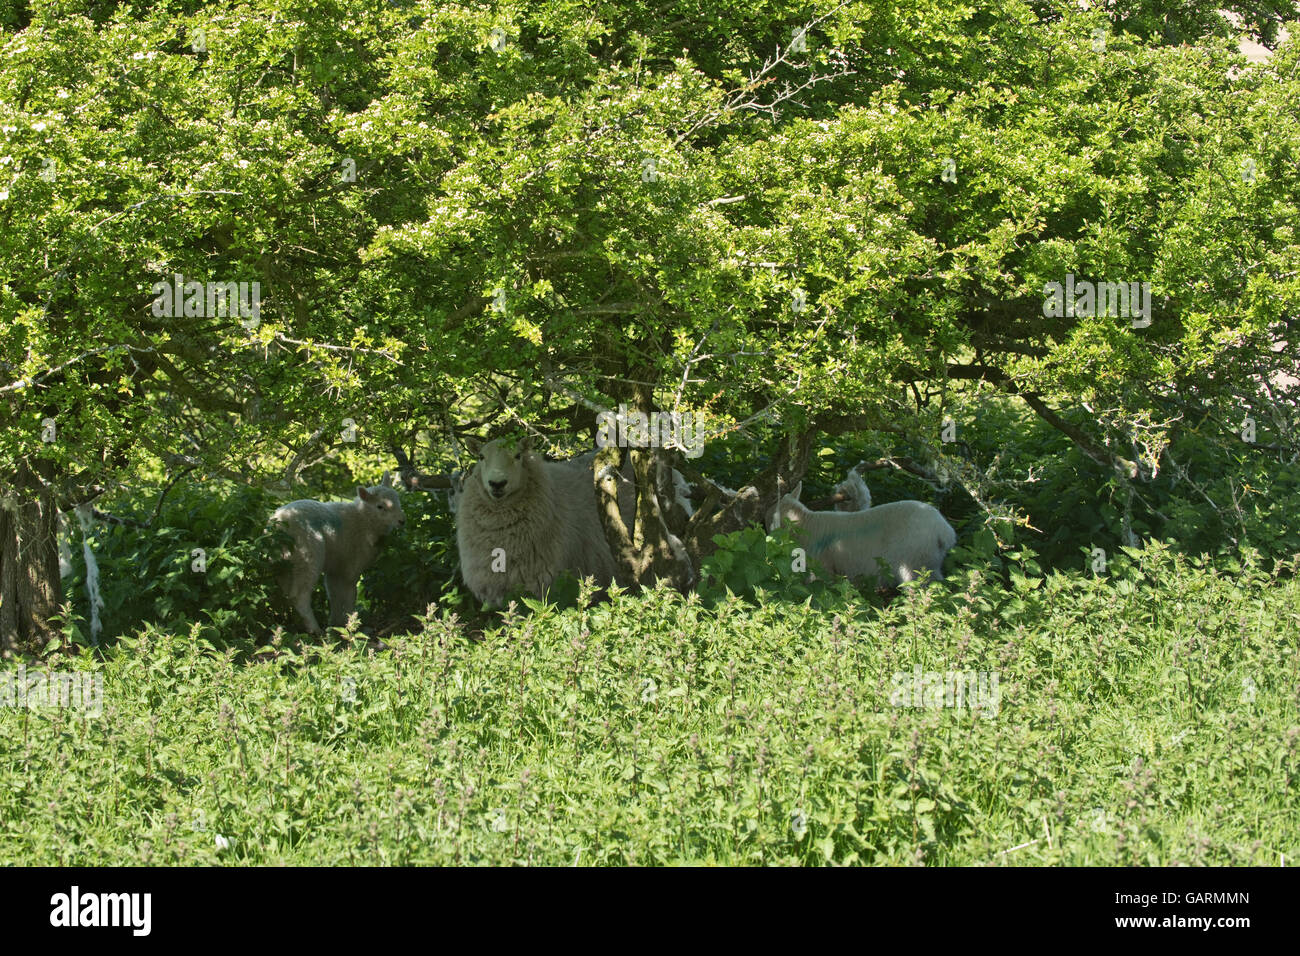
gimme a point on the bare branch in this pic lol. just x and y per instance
(291, 472)
(281, 337)
(42, 376)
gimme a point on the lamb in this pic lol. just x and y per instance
(65, 546)
(682, 493)
(909, 536)
(338, 538)
(678, 509)
(856, 495)
(522, 521)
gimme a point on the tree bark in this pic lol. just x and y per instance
(30, 589)
(752, 503)
(645, 550)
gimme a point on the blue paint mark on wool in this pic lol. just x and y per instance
(325, 520)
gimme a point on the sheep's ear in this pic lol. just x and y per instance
(387, 480)
(473, 444)
(526, 445)
(364, 493)
(798, 490)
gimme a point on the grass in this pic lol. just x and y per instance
(1145, 717)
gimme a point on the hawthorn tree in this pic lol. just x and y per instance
(788, 219)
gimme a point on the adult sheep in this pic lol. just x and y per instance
(337, 538)
(908, 536)
(522, 521)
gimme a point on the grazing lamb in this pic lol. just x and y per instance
(857, 497)
(339, 538)
(908, 536)
(522, 521)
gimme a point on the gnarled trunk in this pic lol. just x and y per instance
(645, 551)
(29, 562)
(751, 503)
(650, 548)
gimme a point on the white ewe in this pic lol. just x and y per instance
(522, 521)
(338, 538)
(908, 536)
(857, 497)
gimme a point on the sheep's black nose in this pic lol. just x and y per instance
(498, 485)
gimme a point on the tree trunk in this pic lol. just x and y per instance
(30, 589)
(752, 503)
(645, 550)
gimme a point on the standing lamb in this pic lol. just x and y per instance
(522, 521)
(855, 494)
(909, 536)
(338, 538)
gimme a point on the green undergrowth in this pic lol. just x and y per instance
(1145, 716)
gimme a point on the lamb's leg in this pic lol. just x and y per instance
(298, 581)
(933, 565)
(302, 604)
(297, 588)
(343, 598)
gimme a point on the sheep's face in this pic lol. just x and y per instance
(501, 467)
(856, 494)
(788, 511)
(382, 506)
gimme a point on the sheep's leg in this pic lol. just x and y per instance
(297, 583)
(299, 595)
(302, 604)
(540, 584)
(343, 598)
(919, 572)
